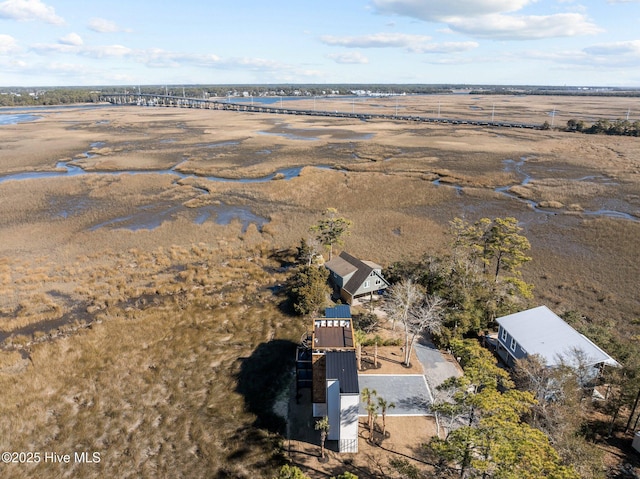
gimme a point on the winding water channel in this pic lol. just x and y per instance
(152, 216)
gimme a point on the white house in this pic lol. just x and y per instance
(540, 331)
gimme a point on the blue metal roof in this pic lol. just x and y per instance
(341, 311)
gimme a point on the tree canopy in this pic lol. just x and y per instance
(308, 289)
(488, 437)
(479, 280)
(331, 229)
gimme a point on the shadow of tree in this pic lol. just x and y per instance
(262, 377)
(418, 403)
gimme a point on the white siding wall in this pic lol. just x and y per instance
(349, 422)
(333, 409)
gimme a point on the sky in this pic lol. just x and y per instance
(163, 42)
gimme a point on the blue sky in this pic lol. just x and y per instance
(136, 42)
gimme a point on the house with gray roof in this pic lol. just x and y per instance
(353, 278)
(541, 332)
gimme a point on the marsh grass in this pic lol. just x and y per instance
(156, 392)
(560, 190)
(162, 322)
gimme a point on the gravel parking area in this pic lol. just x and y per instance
(412, 393)
(437, 367)
(409, 392)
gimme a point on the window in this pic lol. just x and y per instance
(513, 344)
(366, 284)
(503, 335)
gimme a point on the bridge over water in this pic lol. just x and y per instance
(145, 99)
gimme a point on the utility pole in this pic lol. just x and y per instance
(553, 117)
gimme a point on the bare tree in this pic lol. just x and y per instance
(375, 353)
(426, 316)
(402, 297)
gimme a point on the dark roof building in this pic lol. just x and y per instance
(334, 385)
(353, 277)
(341, 365)
(331, 337)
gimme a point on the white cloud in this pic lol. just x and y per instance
(494, 19)
(26, 10)
(349, 58)
(8, 44)
(628, 48)
(46, 48)
(438, 10)
(106, 51)
(517, 27)
(376, 40)
(614, 55)
(411, 43)
(71, 39)
(102, 25)
(101, 51)
(445, 47)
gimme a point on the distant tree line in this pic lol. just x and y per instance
(33, 96)
(51, 96)
(555, 91)
(606, 127)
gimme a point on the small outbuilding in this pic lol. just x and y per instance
(353, 278)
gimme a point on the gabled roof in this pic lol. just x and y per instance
(540, 331)
(341, 365)
(340, 266)
(346, 264)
